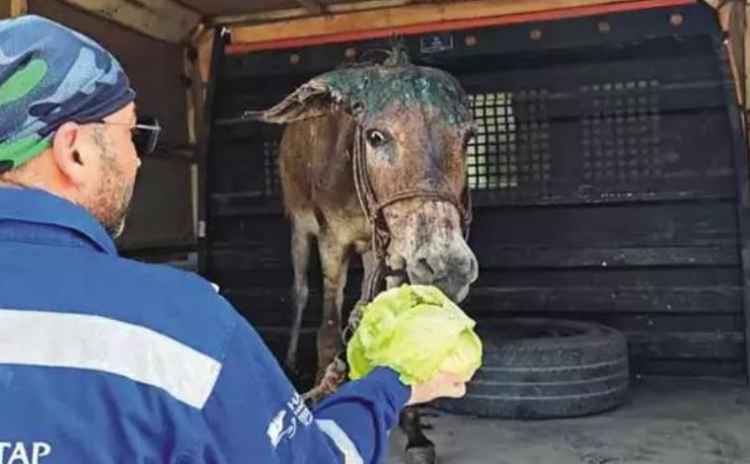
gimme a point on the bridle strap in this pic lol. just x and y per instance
(373, 209)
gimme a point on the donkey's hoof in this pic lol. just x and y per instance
(421, 455)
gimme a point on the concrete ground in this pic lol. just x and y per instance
(666, 421)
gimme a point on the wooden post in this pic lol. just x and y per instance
(736, 31)
(214, 45)
(13, 8)
(18, 8)
(197, 66)
(744, 193)
(733, 18)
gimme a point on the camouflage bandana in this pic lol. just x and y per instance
(50, 75)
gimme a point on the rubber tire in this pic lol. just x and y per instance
(555, 369)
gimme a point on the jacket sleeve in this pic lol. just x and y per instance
(254, 415)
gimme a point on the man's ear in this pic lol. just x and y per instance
(67, 152)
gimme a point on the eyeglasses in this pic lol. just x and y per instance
(145, 133)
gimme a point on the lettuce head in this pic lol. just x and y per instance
(417, 331)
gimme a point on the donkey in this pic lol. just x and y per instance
(373, 161)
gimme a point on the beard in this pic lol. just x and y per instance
(112, 200)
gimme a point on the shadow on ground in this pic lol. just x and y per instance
(666, 421)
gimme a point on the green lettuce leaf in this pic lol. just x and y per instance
(417, 331)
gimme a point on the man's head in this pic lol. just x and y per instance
(66, 118)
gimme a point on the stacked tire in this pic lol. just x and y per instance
(544, 369)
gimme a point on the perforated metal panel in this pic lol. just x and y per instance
(621, 133)
(271, 179)
(511, 151)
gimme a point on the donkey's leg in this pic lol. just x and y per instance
(300, 291)
(335, 262)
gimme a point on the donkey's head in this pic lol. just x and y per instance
(413, 126)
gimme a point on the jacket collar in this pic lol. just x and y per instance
(31, 215)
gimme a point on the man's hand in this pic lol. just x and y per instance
(441, 386)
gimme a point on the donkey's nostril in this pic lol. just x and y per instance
(428, 270)
(438, 266)
(422, 270)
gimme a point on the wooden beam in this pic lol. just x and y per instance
(451, 15)
(197, 69)
(312, 6)
(746, 58)
(18, 8)
(205, 44)
(296, 13)
(737, 30)
(161, 19)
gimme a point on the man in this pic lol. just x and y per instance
(105, 360)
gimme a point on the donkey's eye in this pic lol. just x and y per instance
(375, 138)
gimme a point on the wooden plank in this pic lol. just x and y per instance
(657, 322)
(227, 271)
(195, 106)
(681, 345)
(641, 278)
(736, 31)
(198, 68)
(238, 264)
(617, 299)
(607, 258)
(13, 8)
(204, 44)
(605, 226)
(313, 7)
(262, 255)
(203, 134)
(244, 205)
(633, 308)
(715, 368)
(746, 60)
(415, 15)
(296, 13)
(18, 8)
(742, 172)
(162, 19)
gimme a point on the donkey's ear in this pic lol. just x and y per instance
(311, 100)
(323, 95)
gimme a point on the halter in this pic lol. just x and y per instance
(373, 209)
